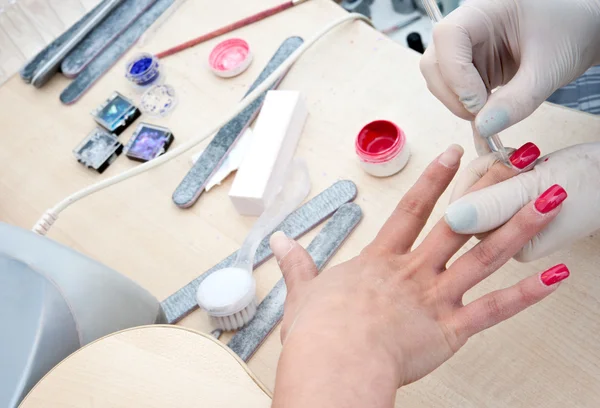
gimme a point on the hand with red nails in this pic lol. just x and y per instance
(527, 49)
(496, 193)
(355, 333)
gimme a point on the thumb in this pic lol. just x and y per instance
(513, 102)
(295, 263)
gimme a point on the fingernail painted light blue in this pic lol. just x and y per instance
(472, 103)
(461, 217)
(491, 122)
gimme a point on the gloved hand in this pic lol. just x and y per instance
(576, 169)
(531, 47)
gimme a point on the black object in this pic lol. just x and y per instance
(415, 43)
(98, 150)
(116, 114)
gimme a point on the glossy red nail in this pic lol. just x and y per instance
(550, 199)
(555, 274)
(525, 155)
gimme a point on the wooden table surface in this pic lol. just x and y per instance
(548, 356)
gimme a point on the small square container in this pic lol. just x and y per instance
(116, 113)
(98, 150)
(148, 142)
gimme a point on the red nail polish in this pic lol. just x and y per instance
(525, 155)
(555, 274)
(550, 199)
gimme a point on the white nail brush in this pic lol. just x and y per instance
(229, 294)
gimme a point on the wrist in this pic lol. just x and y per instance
(326, 369)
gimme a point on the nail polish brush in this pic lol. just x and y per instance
(494, 142)
(229, 295)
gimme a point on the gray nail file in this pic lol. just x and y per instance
(44, 55)
(113, 53)
(51, 66)
(106, 32)
(192, 185)
(302, 220)
(270, 311)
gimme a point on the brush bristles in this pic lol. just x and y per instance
(238, 320)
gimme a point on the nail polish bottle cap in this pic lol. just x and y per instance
(230, 58)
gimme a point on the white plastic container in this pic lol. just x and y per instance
(382, 148)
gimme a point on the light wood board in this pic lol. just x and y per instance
(154, 367)
(548, 356)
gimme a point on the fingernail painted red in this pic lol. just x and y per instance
(525, 155)
(555, 274)
(550, 199)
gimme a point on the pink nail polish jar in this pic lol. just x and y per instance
(382, 149)
(230, 58)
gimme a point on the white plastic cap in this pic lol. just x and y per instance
(226, 291)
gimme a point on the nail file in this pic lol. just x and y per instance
(103, 35)
(112, 53)
(192, 185)
(270, 311)
(51, 66)
(302, 220)
(44, 55)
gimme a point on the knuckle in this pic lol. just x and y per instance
(414, 207)
(499, 173)
(526, 295)
(442, 30)
(372, 252)
(487, 254)
(290, 264)
(526, 225)
(493, 306)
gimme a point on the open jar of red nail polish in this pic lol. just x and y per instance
(382, 148)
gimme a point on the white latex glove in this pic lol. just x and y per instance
(531, 47)
(576, 169)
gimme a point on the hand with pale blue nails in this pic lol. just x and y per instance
(495, 192)
(527, 49)
(358, 331)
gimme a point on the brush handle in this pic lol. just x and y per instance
(298, 223)
(227, 29)
(296, 186)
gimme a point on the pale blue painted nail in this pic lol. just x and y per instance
(472, 103)
(491, 121)
(461, 217)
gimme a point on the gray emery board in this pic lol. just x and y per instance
(112, 53)
(298, 223)
(192, 185)
(270, 311)
(103, 35)
(44, 55)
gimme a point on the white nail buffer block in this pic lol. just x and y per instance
(276, 134)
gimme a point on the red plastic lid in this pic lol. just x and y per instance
(230, 58)
(379, 141)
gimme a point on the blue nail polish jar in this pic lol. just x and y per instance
(143, 71)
